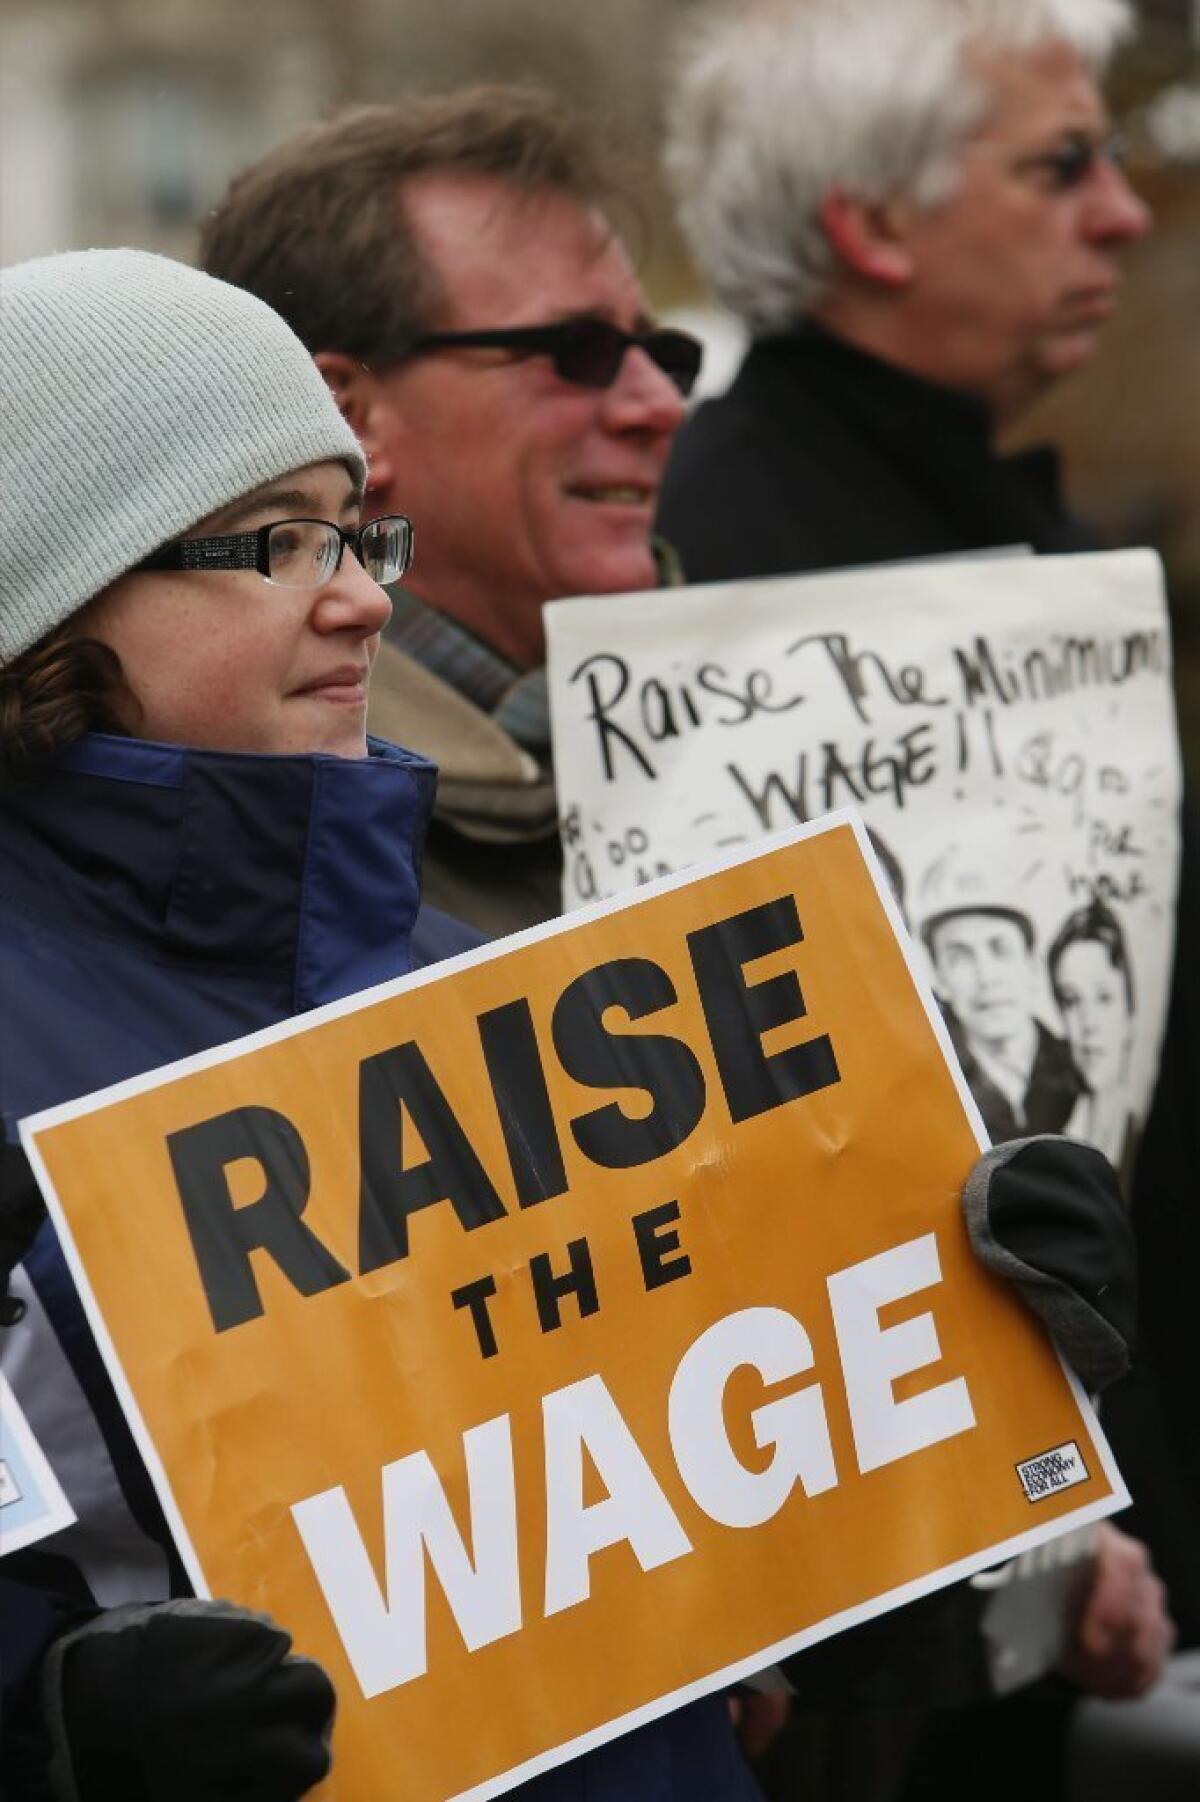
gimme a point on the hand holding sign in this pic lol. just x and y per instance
(1046, 1214)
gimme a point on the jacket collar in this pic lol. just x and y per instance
(886, 393)
(489, 787)
(945, 433)
(301, 868)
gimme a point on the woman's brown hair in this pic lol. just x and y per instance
(54, 693)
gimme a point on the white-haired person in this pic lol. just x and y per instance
(919, 214)
(196, 840)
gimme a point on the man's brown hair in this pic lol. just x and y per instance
(317, 227)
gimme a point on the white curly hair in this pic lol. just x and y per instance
(774, 102)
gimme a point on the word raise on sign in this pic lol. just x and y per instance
(617, 1276)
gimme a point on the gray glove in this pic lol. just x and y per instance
(1046, 1214)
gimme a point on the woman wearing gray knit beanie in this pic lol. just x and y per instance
(195, 840)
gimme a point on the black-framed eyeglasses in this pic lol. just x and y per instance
(297, 553)
(585, 351)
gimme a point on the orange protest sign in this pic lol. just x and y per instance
(549, 1338)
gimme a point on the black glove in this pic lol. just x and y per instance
(21, 1213)
(192, 1701)
(1046, 1214)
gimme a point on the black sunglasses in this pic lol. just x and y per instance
(587, 352)
(296, 553)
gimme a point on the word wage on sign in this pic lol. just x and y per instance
(384, 1630)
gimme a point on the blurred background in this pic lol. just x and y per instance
(122, 120)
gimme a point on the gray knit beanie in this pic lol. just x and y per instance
(138, 396)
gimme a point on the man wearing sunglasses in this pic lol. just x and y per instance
(451, 268)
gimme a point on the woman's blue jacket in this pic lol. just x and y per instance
(156, 901)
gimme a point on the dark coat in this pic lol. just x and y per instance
(154, 902)
(821, 456)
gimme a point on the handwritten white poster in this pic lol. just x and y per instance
(1005, 727)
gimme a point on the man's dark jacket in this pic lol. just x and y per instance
(821, 456)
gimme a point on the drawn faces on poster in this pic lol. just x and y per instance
(1045, 1043)
(1005, 724)
(1088, 965)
